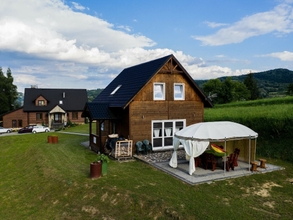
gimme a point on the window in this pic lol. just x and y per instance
(159, 91)
(115, 90)
(39, 116)
(74, 115)
(163, 132)
(19, 123)
(41, 102)
(179, 93)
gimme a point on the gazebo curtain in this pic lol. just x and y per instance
(193, 148)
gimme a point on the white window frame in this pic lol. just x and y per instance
(182, 97)
(162, 134)
(162, 88)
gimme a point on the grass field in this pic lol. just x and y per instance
(271, 118)
(51, 181)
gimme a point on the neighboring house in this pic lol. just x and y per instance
(52, 107)
(150, 101)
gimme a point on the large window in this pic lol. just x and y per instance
(39, 116)
(179, 93)
(163, 132)
(159, 91)
(74, 115)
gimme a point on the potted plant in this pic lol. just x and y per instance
(105, 160)
(96, 168)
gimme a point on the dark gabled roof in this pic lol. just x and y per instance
(73, 99)
(96, 111)
(131, 80)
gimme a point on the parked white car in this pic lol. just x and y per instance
(38, 129)
(5, 130)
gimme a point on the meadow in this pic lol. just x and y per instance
(51, 181)
(271, 118)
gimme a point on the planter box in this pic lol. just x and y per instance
(52, 139)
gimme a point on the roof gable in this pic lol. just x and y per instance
(131, 80)
(68, 99)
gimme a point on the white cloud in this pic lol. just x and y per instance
(78, 6)
(278, 21)
(48, 26)
(284, 56)
(67, 48)
(214, 24)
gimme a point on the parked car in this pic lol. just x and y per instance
(5, 130)
(38, 129)
(27, 129)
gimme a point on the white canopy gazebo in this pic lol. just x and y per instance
(197, 137)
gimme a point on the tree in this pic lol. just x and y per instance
(290, 89)
(8, 91)
(226, 91)
(251, 84)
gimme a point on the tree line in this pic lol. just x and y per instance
(8, 92)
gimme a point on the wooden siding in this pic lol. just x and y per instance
(143, 109)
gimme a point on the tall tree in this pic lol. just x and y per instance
(8, 91)
(251, 84)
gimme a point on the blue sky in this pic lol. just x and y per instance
(85, 43)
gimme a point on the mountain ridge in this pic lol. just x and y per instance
(271, 83)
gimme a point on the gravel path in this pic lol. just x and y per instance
(161, 156)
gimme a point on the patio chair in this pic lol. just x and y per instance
(210, 160)
(139, 147)
(232, 160)
(147, 145)
(236, 152)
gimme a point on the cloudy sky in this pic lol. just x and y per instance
(85, 43)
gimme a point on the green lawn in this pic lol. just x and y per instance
(51, 181)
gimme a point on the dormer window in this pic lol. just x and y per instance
(159, 91)
(115, 90)
(41, 102)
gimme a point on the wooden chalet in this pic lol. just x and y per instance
(149, 101)
(52, 107)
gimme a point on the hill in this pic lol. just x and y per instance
(271, 83)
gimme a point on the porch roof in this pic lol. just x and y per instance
(98, 111)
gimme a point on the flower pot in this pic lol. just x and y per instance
(104, 168)
(54, 139)
(95, 170)
(50, 140)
